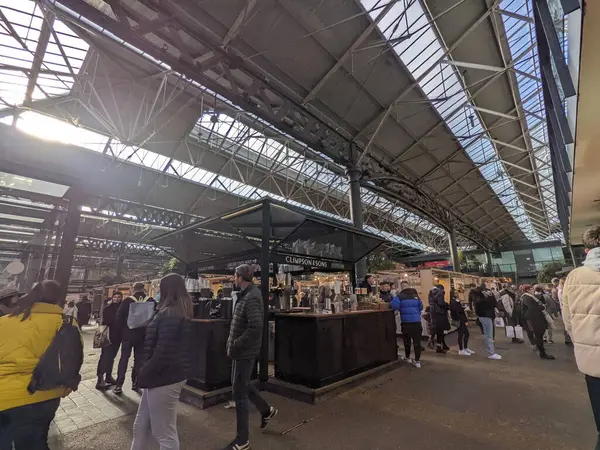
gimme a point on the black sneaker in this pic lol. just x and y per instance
(118, 390)
(101, 385)
(266, 419)
(110, 380)
(237, 446)
(547, 356)
(440, 350)
(446, 348)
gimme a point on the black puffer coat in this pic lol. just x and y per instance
(245, 334)
(533, 312)
(439, 309)
(167, 357)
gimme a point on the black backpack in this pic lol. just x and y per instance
(60, 364)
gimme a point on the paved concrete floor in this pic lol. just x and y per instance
(451, 403)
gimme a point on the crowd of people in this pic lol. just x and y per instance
(41, 350)
(41, 354)
(529, 309)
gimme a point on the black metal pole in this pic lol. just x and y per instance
(67, 246)
(263, 374)
(453, 251)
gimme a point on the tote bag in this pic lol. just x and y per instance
(101, 338)
(140, 314)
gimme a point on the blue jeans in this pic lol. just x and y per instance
(488, 334)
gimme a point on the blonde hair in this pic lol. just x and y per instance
(174, 297)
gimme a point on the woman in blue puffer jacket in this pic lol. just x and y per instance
(408, 303)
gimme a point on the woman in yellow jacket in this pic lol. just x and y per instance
(24, 337)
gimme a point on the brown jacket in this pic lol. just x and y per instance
(581, 315)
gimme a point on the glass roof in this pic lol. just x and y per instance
(10, 181)
(443, 85)
(520, 35)
(272, 154)
(64, 55)
(53, 129)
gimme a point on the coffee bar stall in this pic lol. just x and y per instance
(290, 249)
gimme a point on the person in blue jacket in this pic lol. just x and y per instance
(408, 303)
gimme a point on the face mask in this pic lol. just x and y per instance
(157, 298)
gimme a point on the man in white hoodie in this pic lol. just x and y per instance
(581, 315)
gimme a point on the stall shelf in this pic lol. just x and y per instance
(272, 236)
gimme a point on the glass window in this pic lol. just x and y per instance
(541, 255)
(508, 258)
(557, 254)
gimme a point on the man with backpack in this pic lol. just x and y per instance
(133, 317)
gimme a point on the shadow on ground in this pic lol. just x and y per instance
(452, 403)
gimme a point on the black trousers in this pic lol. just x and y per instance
(411, 334)
(593, 387)
(126, 348)
(463, 336)
(107, 359)
(242, 392)
(440, 337)
(27, 426)
(538, 332)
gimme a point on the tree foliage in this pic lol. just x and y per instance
(548, 271)
(379, 261)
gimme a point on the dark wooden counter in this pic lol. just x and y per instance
(319, 349)
(211, 366)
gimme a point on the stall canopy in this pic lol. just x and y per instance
(296, 237)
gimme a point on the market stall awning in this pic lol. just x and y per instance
(296, 237)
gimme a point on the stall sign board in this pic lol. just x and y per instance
(310, 261)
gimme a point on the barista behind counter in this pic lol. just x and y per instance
(385, 292)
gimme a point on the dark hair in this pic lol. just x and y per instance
(138, 287)
(117, 293)
(48, 291)
(174, 297)
(539, 289)
(368, 276)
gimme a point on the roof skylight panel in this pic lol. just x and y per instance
(421, 54)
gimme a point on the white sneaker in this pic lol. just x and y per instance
(406, 360)
(417, 364)
(495, 356)
(471, 352)
(464, 353)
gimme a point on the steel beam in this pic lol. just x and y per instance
(404, 93)
(67, 247)
(238, 23)
(339, 63)
(262, 96)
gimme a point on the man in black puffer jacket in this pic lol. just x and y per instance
(243, 346)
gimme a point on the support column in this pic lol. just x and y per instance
(120, 267)
(263, 367)
(356, 214)
(572, 253)
(490, 265)
(67, 245)
(453, 251)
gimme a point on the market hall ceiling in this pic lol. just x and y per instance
(437, 102)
